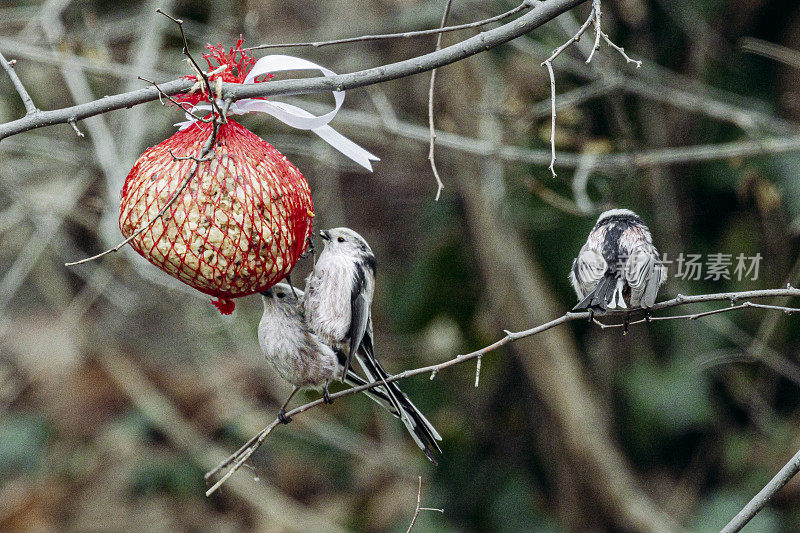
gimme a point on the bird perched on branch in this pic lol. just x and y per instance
(618, 267)
(297, 354)
(338, 308)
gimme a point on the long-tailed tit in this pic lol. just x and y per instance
(618, 267)
(337, 305)
(297, 354)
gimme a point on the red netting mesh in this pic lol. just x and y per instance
(238, 227)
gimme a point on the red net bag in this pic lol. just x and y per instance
(238, 227)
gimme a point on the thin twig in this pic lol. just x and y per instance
(418, 509)
(74, 125)
(244, 453)
(529, 21)
(214, 108)
(403, 35)
(594, 17)
(764, 495)
(185, 106)
(619, 49)
(695, 316)
(189, 157)
(30, 107)
(549, 64)
(431, 125)
(597, 29)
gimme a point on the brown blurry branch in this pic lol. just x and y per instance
(764, 495)
(405, 35)
(776, 52)
(282, 510)
(541, 14)
(238, 458)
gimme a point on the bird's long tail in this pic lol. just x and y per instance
(376, 393)
(606, 295)
(390, 397)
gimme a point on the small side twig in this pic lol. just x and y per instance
(215, 109)
(74, 125)
(419, 502)
(549, 64)
(597, 31)
(594, 17)
(189, 157)
(431, 124)
(30, 107)
(185, 106)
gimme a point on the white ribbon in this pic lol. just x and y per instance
(294, 116)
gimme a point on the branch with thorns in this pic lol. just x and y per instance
(238, 458)
(594, 18)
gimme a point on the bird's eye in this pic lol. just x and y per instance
(281, 294)
(340, 239)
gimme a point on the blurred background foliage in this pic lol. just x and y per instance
(119, 388)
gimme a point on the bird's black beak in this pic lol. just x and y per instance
(267, 293)
(325, 235)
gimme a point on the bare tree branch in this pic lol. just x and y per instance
(543, 13)
(238, 458)
(431, 124)
(594, 17)
(30, 108)
(549, 64)
(764, 495)
(404, 35)
(418, 509)
(776, 52)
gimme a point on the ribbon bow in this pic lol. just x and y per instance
(292, 115)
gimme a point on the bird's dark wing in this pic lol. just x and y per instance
(360, 315)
